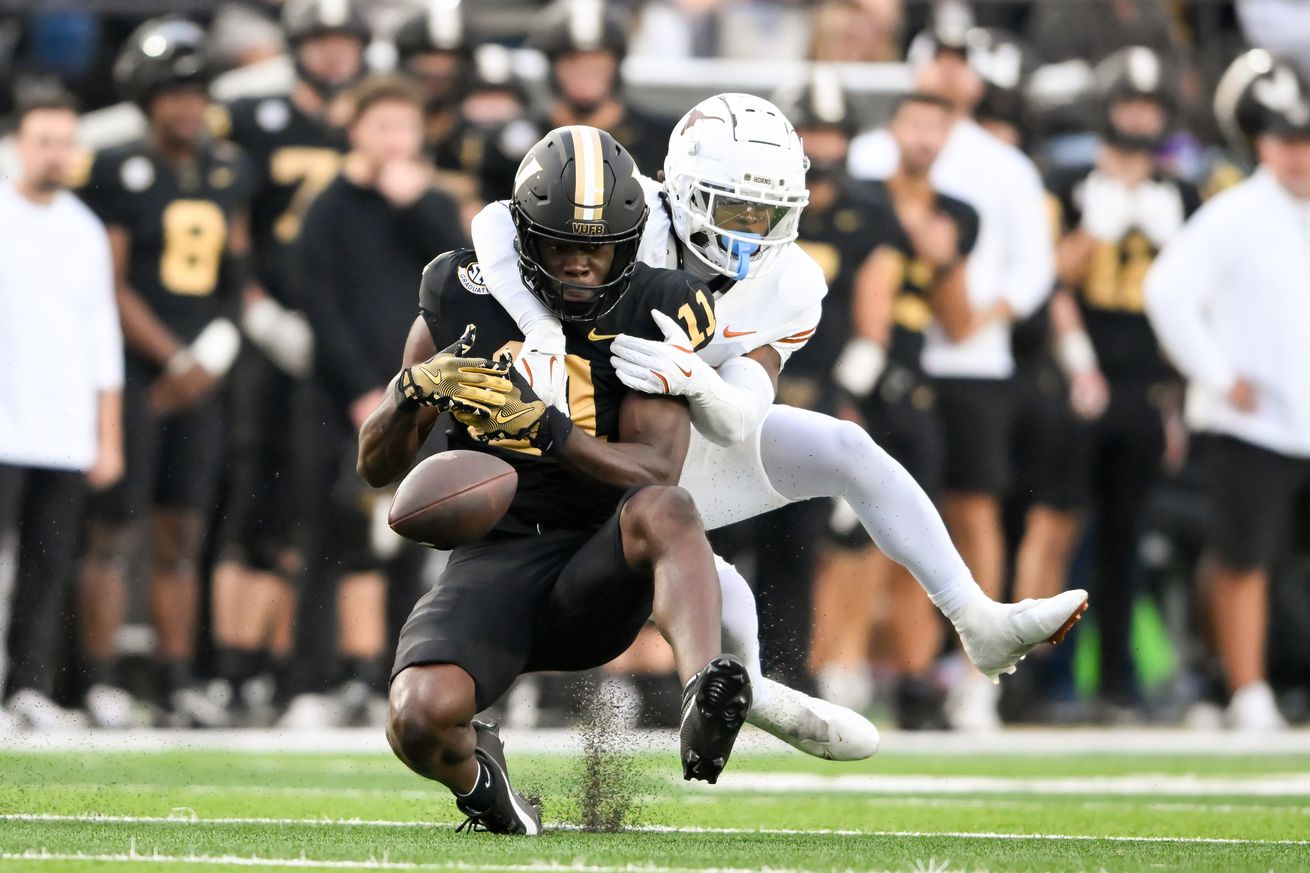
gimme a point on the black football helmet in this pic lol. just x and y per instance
(1135, 73)
(570, 26)
(1258, 94)
(440, 26)
(822, 102)
(304, 20)
(579, 26)
(162, 53)
(578, 186)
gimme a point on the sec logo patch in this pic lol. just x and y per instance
(470, 276)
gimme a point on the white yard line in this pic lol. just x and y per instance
(1170, 784)
(1041, 741)
(133, 856)
(762, 784)
(657, 829)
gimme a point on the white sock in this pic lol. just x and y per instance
(810, 455)
(741, 626)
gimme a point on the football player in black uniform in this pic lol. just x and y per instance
(585, 42)
(598, 537)
(915, 276)
(294, 151)
(175, 207)
(1115, 217)
(434, 47)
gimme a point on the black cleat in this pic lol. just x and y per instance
(511, 813)
(714, 707)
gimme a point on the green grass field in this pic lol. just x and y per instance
(84, 808)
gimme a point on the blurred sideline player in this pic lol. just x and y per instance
(916, 277)
(597, 537)
(1011, 267)
(1227, 298)
(293, 151)
(174, 206)
(585, 42)
(367, 234)
(434, 48)
(748, 456)
(1115, 217)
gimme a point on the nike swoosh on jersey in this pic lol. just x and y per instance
(599, 337)
(729, 333)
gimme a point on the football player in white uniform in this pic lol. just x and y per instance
(727, 211)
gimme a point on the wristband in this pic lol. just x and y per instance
(181, 361)
(216, 348)
(552, 431)
(402, 385)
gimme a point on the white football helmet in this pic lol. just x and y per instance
(735, 179)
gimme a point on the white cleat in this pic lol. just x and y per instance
(1254, 710)
(816, 727)
(111, 707)
(997, 636)
(37, 712)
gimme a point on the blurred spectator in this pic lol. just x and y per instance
(293, 152)
(1090, 30)
(1228, 300)
(61, 376)
(357, 264)
(1008, 277)
(1115, 217)
(852, 31)
(241, 36)
(917, 278)
(492, 132)
(585, 42)
(174, 205)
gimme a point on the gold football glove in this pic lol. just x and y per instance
(519, 416)
(448, 377)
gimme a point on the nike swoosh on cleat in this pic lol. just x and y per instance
(729, 333)
(600, 337)
(525, 819)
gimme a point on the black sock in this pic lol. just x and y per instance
(238, 665)
(483, 793)
(99, 673)
(366, 670)
(174, 675)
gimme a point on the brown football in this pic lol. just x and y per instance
(452, 498)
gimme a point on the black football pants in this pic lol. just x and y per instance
(44, 507)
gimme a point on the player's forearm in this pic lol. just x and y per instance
(623, 465)
(143, 333)
(493, 235)
(109, 421)
(732, 401)
(389, 441)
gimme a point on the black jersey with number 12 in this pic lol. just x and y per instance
(453, 294)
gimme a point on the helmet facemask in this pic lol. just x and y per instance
(567, 300)
(738, 231)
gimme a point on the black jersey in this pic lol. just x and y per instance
(839, 239)
(1111, 297)
(177, 219)
(292, 157)
(489, 155)
(453, 294)
(911, 308)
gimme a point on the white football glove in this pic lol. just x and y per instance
(668, 367)
(541, 364)
(859, 366)
(1107, 207)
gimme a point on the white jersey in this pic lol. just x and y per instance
(780, 309)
